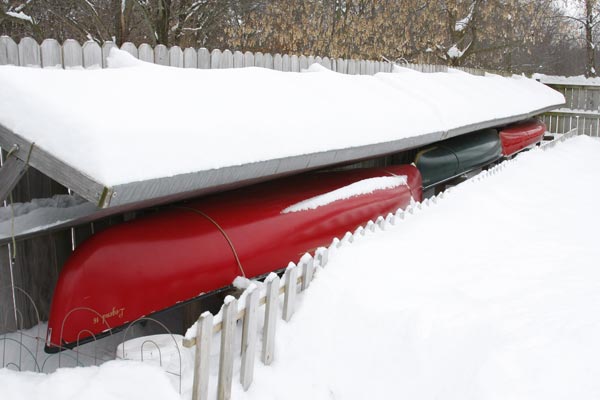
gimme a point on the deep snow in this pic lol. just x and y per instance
(490, 293)
(137, 121)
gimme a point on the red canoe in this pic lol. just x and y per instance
(516, 137)
(152, 263)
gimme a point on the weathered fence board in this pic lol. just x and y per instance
(226, 355)
(291, 283)
(270, 324)
(51, 54)
(277, 62)
(161, 55)
(190, 58)
(106, 47)
(9, 51)
(227, 59)
(249, 337)
(215, 59)
(29, 53)
(203, 58)
(92, 55)
(259, 60)
(72, 54)
(202, 357)
(238, 59)
(146, 53)
(176, 57)
(130, 48)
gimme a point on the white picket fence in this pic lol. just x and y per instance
(71, 54)
(296, 279)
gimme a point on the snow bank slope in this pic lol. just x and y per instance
(114, 380)
(493, 293)
(139, 121)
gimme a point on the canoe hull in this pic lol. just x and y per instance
(152, 263)
(516, 137)
(458, 155)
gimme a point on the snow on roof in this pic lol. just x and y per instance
(566, 80)
(136, 121)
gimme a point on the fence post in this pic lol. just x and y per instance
(291, 283)
(249, 337)
(202, 358)
(271, 306)
(307, 271)
(226, 357)
(321, 255)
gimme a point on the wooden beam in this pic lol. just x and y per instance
(10, 173)
(56, 169)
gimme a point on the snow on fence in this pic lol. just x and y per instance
(71, 54)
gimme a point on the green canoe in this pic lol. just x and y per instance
(450, 158)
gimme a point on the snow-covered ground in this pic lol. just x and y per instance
(493, 292)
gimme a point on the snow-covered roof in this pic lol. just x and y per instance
(578, 80)
(139, 132)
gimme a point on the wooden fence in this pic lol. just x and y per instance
(581, 111)
(71, 54)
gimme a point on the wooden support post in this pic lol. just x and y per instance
(291, 283)
(202, 359)
(226, 357)
(271, 306)
(11, 172)
(249, 337)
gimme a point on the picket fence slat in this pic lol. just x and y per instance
(10, 48)
(285, 63)
(238, 59)
(249, 337)
(215, 59)
(176, 57)
(92, 55)
(307, 272)
(229, 312)
(29, 53)
(259, 60)
(248, 59)
(190, 58)
(278, 62)
(106, 47)
(227, 59)
(161, 55)
(291, 284)
(202, 357)
(294, 63)
(270, 324)
(303, 61)
(73, 53)
(146, 53)
(203, 58)
(51, 54)
(130, 48)
(269, 61)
